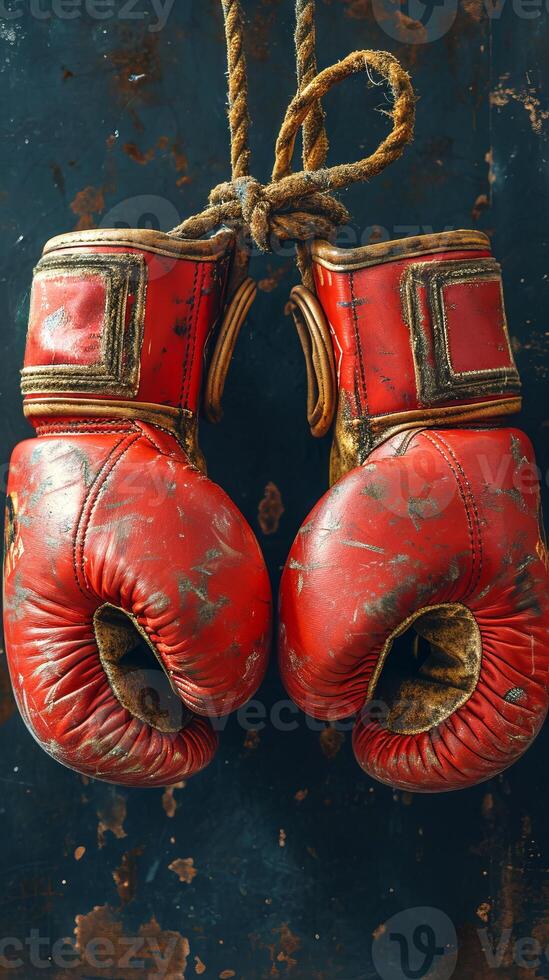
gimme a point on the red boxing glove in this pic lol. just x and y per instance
(433, 528)
(137, 602)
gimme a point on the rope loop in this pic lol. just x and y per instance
(342, 175)
(300, 206)
(293, 206)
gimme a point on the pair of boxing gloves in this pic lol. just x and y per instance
(416, 594)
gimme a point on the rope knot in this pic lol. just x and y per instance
(256, 210)
(301, 206)
(249, 201)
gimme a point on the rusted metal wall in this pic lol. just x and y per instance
(281, 859)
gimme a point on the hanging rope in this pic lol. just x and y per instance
(293, 206)
(241, 289)
(312, 328)
(298, 206)
(315, 139)
(239, 119)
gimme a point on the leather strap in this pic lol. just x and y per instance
(235, 314)
(314, 334)
(180, 422)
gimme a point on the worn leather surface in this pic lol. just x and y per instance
(112, 513)
(413, 530)
(181, 301)
(431, 517)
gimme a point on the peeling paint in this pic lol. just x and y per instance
(169, 802)
(184, 869)
(503, 94)
(331, 741)
(111, 819)
(270, 509)
(125, 876)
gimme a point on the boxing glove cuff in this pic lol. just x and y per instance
(119, 320)
(419, 335)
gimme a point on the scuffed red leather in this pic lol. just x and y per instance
(115, 513)
(438, 505)
(108, 508)
(437, 516)
(183, 300)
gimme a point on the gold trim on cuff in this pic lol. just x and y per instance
(147, 240)
(182, 423)
(346, 259)
(449, 414)
(355, 439)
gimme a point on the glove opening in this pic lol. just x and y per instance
(135, 671)
(428, 668)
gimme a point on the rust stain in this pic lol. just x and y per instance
(90, 201)
(103, 946)
(227, 974)
(252, 740)
(184, 869)
(111, 819)
(358, 9)
(136, 68)
(168, 799)
(516, 897)
(288, 944)
(479, 206)
(273, 278)
(282, 838)
(199, 966)
(260, 33)
(483, 911)
(301, 795)
(125, 876)
(181, 164)
(270, 509)
(474, 9)
(362, 10)
(144, 157)
(407, 24)
(331, 741)
(471, 960)
(489, 160)
(137, 155)
(377, 234)
(503, 94)
(79, 853)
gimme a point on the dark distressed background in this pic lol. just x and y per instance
(281, 859)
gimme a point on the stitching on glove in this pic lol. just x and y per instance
(191, 328)
(172, 454)
(358, 344)
(97, 486)
(475, 571)
(197, 297)
(52, 430)
(475, 510)
(163, 452)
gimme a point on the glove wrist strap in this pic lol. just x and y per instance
(356, 438)
(180, 422)
(419, 335)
